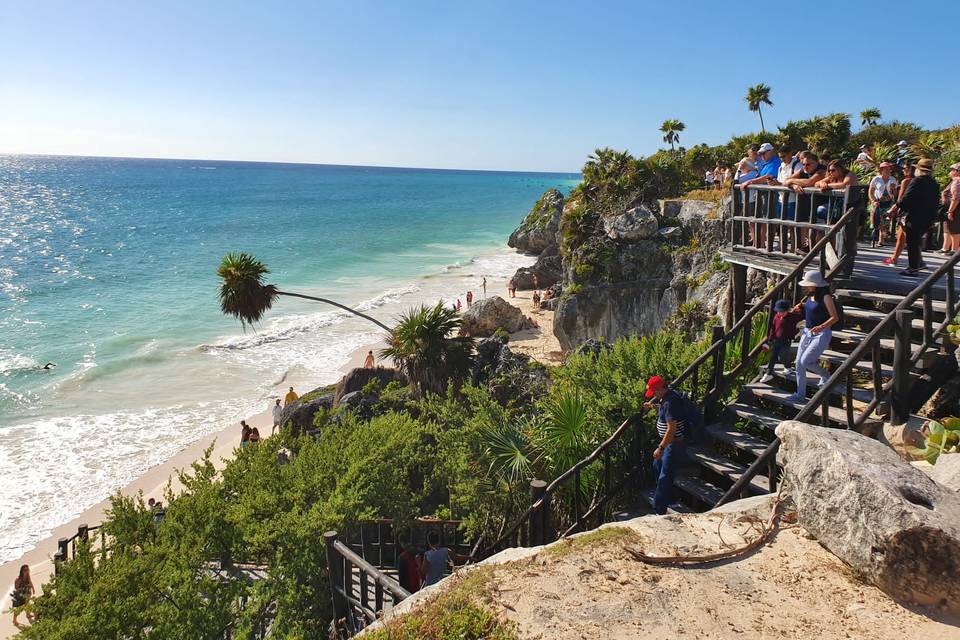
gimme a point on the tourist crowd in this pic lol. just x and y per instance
(906, 205)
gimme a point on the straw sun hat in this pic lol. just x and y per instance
(924, 166)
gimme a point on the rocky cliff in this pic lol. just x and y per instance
(624, 270)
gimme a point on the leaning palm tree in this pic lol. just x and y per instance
(244, 295)
(758, 95)
(671, 131)
(869, 117)
(425, 348)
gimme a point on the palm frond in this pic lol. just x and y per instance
(242, 292)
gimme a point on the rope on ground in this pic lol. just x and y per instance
(765, 535)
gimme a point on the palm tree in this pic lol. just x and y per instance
(244, 295)
(671, 130)
(423, 348)
(869, 117)
(756, 96)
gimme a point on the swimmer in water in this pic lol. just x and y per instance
(48, 366)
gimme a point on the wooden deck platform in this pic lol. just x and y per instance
(869, 271)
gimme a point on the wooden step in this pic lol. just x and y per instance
(854, 338)
(874, 316)
(773, 395)
(673, 507)
(893, 300)
(739, 440)
(837, 358)
(757, 415)
(699, 489)
(727, 468)
(859, 394)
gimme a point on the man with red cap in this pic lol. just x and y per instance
(675, 414)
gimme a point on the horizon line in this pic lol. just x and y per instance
(284, 162)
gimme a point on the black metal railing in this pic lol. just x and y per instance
(360, 591)
(899, 322)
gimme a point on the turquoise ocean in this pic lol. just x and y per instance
(108, 270)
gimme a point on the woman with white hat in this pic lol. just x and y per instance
(819, 314)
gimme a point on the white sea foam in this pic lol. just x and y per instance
(64, 465)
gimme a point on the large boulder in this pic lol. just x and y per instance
(945, 472)
(895, 526)
(300, 413)
(635, 224)
(486, 316)
(357, 379)
(547, 269)
(538, 231)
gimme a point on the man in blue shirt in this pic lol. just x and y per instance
(675, 414)
(768, 167)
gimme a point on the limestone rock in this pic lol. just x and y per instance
(631, 308)
(490, 314)
(357, 379)
(636, 224)
(946, 472)
(671, 233)
(300, 413)
(538, 231)
(888, 520)
(548, 270)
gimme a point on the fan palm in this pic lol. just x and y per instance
(424, 349)
(507, 450)
(244, 296)
(671, 131)
(563, 435)
(869, 117)
(757, 96)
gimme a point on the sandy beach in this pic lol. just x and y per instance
(539, 343)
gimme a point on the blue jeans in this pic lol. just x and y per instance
(808, 357)
(779, 352)
(665, 469)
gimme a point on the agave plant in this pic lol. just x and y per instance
(424, 345)
(939, 438)
(244, 295)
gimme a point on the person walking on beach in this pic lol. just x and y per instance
(370, 361)
(469, 299)
(254, 436)
(675, 414)
(459, 305)
(277, 411)
(918, 206)
(536, 300)
(290, 397)
(244, 434)
(819, 314)
(484, 287)
(22, 592)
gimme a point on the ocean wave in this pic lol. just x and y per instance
(16, 362)
(387, 297)
(280, 329)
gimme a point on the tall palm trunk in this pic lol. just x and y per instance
(338, 305)
(760, 113)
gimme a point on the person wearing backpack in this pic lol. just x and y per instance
(820, 314)
(677, 417)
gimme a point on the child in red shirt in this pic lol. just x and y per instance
(780, 337)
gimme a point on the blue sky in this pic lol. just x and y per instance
(485, 85)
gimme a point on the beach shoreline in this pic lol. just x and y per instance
(539, 343)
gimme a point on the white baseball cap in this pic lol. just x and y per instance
(903, 143)
(766, 146)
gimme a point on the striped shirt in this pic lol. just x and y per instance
(674, 407)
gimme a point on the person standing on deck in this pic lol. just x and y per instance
(290, 397)
(277, 411)
(918, 206)
(882, 191)
(674, 415)
(950, 200)
(819, 314)
(436, 559)
(896, 222)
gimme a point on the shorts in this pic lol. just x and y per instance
(953, 226)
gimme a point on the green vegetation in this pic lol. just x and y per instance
(468, 452)
(939, 437)
(757, 96)
(597, 537)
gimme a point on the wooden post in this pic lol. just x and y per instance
(738, 274)
(716, 373)
(63, 548)
(951, 295)
(83, 533)
(537, 489)
(335, 571)
(899, 409)
(928, 318)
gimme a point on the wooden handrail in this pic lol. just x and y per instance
(823, 394)
(392, 586)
